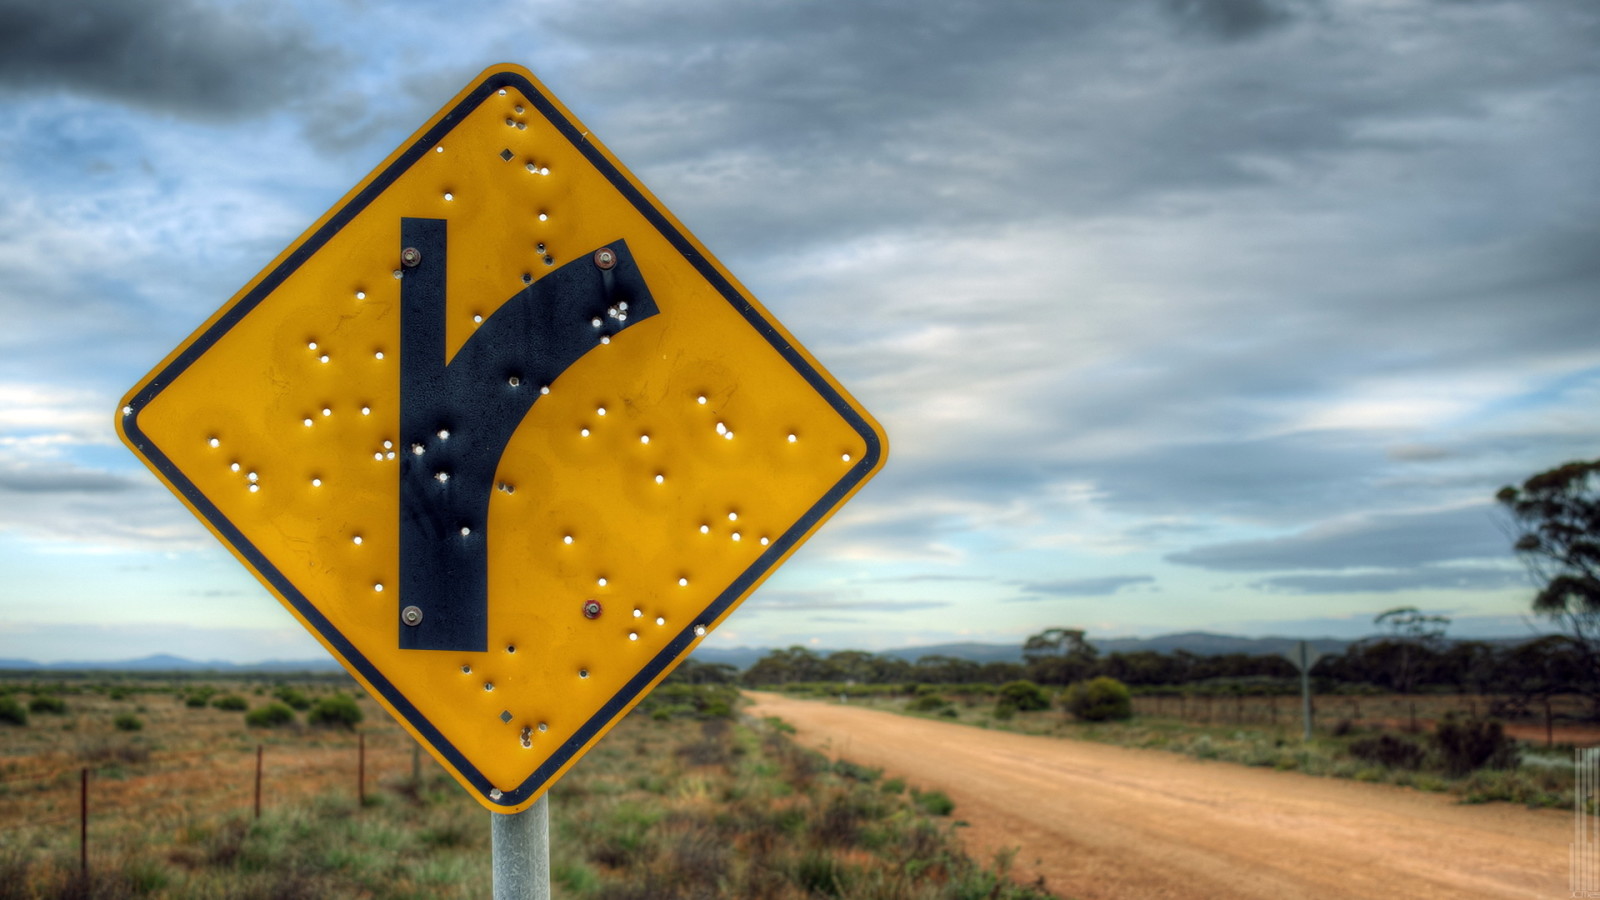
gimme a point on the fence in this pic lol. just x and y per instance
(1552, 719)
(42, 805)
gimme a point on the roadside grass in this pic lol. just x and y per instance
(684, 803)
(1543, 777)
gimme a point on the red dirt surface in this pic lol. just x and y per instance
(1098, 821)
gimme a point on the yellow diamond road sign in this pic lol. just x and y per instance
(503, 436)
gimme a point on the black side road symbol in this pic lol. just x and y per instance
(457, 417)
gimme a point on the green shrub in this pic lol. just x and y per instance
(927, 703)
(197, 701)
(231, 703)
(1468, 744)
(1389, 750)
(335, 711)
(1024, 696)
(128, 722)
(936, 803)
(47, 703)
(1004, 711)
(293, 698)
(1098, 700)
(11, 712)
(273, 715)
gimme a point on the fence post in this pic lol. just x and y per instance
(361, 768)
(258, 781)
(83, 822)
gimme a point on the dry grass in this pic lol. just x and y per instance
(664, 807)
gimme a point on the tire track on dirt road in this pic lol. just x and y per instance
(1099, 821)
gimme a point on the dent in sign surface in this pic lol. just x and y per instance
(662, 474)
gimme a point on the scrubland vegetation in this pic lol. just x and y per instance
(1448, 751)
(682, 799)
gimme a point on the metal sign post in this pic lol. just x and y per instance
(521, 843)
(1304, 658)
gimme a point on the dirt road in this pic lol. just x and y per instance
(1101, 821)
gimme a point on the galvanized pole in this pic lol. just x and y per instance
(521, 847)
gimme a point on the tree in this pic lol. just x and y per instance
(938, 669)
(1535, 671)
(1417, 635)
(795, 664)
(1058, 656)
(1557, 516)
(696, 672)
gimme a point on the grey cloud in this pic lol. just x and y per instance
(1083, 587)
(936, 579)
(1279, 478)
(181, 56)
(1417, 453)
(833, 602)
(1229, 18)
(60, 480)
(1391, 541)
(62, 502)
(865, 117)
(1457, 578)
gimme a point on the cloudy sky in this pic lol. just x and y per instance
(1180, 314)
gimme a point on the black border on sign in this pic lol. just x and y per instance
(286, 589)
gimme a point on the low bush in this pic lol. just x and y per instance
(1389, 750)
(49, 704)
(11, 712)
(335, 711)
(1100, 699)
(128, 722)
(706, 702)
(273, 715)
(1465, 744)
(927, 703)
(293, 697)
(936, 803)
(1024, 695)
(231, 703)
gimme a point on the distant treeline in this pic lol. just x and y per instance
(1540, 667)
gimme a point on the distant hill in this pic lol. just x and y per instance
(165, 662)
(1202, 643)
(739, 657)
(978, 653)
(1198, 642)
